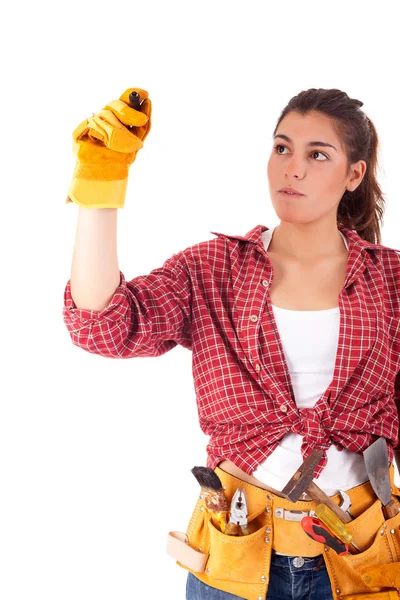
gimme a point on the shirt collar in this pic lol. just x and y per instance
(354, 241)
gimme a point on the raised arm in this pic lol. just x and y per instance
(95, 272)
(105, 314)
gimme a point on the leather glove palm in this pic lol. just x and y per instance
(105, 148)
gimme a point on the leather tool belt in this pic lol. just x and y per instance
(240, 565)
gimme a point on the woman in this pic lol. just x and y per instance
(294, 334)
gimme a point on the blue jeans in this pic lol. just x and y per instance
(287, 582)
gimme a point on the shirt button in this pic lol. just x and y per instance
(258, 367)
(253, 318)
(283, 408)
(265, 282)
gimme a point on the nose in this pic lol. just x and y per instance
(294, 168)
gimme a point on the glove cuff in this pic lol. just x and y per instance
(97, 194)
(105, 172)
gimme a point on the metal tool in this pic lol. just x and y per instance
(237, 524)
(327, 511)
(302, 481)
(377, 464)
(346, 503)
(293, 515)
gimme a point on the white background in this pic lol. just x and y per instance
(96, 454)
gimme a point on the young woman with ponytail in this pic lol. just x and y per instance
(295, 335)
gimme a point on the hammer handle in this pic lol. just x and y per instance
(319, 496)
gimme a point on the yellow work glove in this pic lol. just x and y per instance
(105, 146)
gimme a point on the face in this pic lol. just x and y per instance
(317, 171)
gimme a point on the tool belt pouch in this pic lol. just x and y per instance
(379, 542)
(238, 565)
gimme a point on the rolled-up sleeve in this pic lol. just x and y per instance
(146, 316)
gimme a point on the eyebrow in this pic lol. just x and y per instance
(285, 137)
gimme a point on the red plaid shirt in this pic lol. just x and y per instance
(212, 298)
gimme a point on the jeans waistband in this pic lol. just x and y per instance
(297, 563)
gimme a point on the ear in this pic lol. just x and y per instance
(356, 175)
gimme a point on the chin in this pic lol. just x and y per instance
(292, 216)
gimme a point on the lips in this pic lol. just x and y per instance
(291, 190)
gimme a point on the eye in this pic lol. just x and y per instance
(314, 152)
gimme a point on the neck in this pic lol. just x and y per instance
(308, 241)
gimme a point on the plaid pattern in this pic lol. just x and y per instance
(212, 298)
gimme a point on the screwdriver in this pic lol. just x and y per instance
(335, 525)
(317, 531)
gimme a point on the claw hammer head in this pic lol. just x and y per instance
(303, 477)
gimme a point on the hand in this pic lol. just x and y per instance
(105, 146)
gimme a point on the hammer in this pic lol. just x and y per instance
(302, 481)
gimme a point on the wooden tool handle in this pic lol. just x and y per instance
(319, 496)
(391, 509)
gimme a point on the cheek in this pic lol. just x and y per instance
(271, 167)
(333, 186)
(333, 175)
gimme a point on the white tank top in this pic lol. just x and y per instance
(309, 339)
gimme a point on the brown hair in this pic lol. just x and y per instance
(361, 210)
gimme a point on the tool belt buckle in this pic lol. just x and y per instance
(293, 515)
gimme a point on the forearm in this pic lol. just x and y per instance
(95, 271)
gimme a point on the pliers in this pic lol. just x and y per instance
(238, 514)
